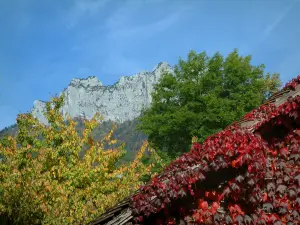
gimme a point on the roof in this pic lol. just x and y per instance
(122, 213)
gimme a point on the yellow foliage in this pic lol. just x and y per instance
(194, 139)
(44, 181)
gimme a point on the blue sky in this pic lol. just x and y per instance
(44, 44)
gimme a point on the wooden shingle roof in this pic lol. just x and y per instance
(122, 212)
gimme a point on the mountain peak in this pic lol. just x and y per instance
(162, 66)
(119, 102)
(89, 81)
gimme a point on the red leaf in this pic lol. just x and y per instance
(215, 207)
(203, 205)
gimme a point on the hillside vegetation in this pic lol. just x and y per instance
(124, 132)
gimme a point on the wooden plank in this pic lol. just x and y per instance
(122, 218)
(292, 93)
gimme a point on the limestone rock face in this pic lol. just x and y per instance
(119, 102)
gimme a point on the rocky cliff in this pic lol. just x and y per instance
(120, 102)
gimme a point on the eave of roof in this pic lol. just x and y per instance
(123, 208)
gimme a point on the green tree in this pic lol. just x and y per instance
(44, 181)
(204, 95)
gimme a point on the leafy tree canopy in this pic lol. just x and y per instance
(45, 181)
(204, 95)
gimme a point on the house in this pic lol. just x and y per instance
(247, 174)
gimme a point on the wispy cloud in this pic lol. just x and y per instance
(272, 26)
(124, 22)
(147, 30)
(255, 45)
(82, 9)
(130, 24)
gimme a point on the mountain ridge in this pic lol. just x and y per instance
(125, 131)
(119, 102)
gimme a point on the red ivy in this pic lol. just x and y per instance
(267, 192)
(292, 84)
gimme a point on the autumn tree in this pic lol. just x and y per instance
(45, 181)
(204, 95)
